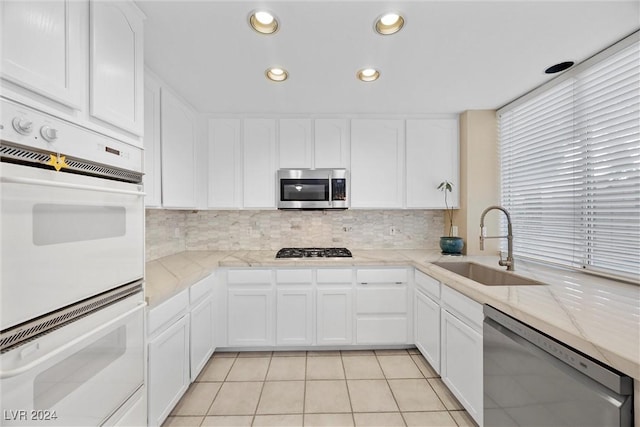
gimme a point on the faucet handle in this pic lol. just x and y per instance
(506, 262)
(503, 262)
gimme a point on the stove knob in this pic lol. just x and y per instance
(22, 126)
(49, 134)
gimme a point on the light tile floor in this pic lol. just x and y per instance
(319, 388)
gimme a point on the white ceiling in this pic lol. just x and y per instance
(451, 55)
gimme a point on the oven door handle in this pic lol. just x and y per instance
(59, 350)
(32, 181)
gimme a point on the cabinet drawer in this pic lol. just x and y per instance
(378, 330)
(386, 275)
(201, 289)
(338, 275)
(428, 284)
(168, 310)
(249, 277)
(381, 300)
(293, 276)
(463, 307)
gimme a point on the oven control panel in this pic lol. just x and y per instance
(25, 126)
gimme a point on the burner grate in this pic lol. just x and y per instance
(314, 253)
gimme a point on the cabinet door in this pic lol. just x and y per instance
(331, 143)
(178, 158)
(259, 161)
(377, 162)
(42, 45)
(432, 157)
(116, 66)
(249, 317)
(379, 329)
(224, 163)
(427, 329)
(152, 159)
(461, 363)
(334, 316)
(168, 370)
(201, 336)
(295, 143)
(294, 323)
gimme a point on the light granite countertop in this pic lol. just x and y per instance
(597, 316)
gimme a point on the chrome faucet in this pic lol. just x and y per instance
(509, 261)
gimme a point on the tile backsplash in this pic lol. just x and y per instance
(170, 231)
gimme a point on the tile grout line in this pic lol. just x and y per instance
(219, 389)
(391, 390)
(432, 388)
(304, 387)
(264, 380)
(346, 384)
(416, 362)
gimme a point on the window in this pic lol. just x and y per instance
(570, 166)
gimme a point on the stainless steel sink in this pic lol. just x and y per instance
(486, 275)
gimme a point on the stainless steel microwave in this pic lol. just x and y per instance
(313, 189)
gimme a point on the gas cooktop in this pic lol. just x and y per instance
(314, 253)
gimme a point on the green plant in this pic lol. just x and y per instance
(447, 187)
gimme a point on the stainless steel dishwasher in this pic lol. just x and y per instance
(533, 380)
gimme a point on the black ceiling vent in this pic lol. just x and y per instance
(559, 67)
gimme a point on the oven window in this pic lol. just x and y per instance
(292, 190)
(54, 224)
(63, 378)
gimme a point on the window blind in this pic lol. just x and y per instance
(570, 168)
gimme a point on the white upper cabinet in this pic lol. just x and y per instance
(225, 164)
(295, 143)
(432, 157)
(116, 65)
(79, 60)
(259, 163)
(331, 148)
(152, 159)
(178, 153)
(42, 48)
(377, 163)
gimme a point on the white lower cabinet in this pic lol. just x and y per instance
(202, 324)
(461, 357)
(426, 321)
(168, 369)
(382, 306)
(180, 343)
(427, 328)
(201, 336)
(249, 316)
(294, 321)
(334, 315)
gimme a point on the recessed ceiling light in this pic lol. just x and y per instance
(263, 22)
(368, 74)
(559, 67)
(276, 74)
(389, 23)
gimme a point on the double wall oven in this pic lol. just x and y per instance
(72, 260)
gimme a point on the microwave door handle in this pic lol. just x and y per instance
(59, 350)
(42, 182)
(330, 190)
